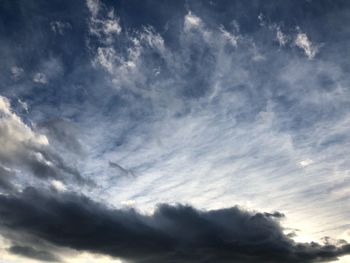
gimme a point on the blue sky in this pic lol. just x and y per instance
(211, 105)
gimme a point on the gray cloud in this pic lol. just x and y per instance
(27, 152)
(172, 234)
(32, 253)
(120, 170)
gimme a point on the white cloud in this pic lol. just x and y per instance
(105, 29)
(306, 162)
(17, 72)
(18, 141)
(112, 25)
(303, 42)
(59, 27)
(128, 202)
(58, 185)
(41, 159)
(346, 235)
(281, 37)
(257, 55)
(192, 21)
(93, 6)
(40, 78)
(5, 107)
(103, 24)
(231, 38)
(120, 65)
(106, 57)
(208, 146)
(152, 39)
(15, 135)
(23, 104)
(26, 152)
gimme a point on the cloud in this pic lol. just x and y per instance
(13, 127)
(5, 178)
(210, 116)
(106, 57)
(192, 21)
(59, 27)
(302, 41)
(216, 124)
(231, 38)
(171, 234)
(58, 185)
(17, 72)
(23, 105)
(40, 78)
(281, 37)
(103, 23)
(32, 253)
(63, 135)
(306, 162)
(93, 6)
(23, 150)
(120, 170)
(49, 70)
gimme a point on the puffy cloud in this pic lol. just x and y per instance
(103, 23)
(192, 21)
(24, 150)
(59, 27)
(302, 41)
(231, 38)
(106, 57)
(17, 72)
(58, 185)
(281, 37)
(40, 78)
(14, 131)
(93, 6)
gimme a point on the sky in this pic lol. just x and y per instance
(174, 131)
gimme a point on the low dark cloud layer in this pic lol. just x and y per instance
(30, 252)
(172, 234)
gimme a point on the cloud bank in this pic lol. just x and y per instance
(173, 233)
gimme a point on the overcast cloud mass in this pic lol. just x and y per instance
(174, 131)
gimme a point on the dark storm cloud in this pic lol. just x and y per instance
(172, 234)
(32, 253)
